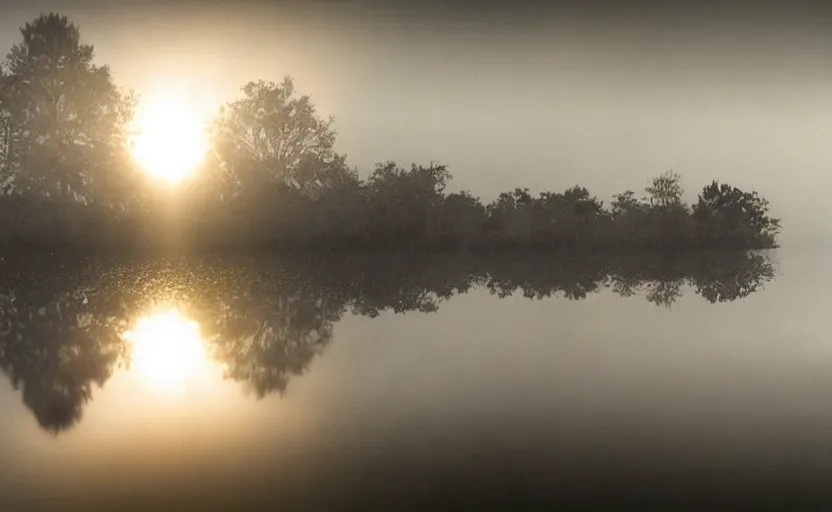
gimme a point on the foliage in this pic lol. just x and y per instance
(274, 179)
(271, 133)
(666, 190)
(728, 216)
(65, 120)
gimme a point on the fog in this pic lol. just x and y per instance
(543, 98)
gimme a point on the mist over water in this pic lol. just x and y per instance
(400, 344)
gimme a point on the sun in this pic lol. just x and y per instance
(170, 140)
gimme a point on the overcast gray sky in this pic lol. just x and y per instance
(605, 95)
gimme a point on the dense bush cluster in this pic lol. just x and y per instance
(272, 178)
(408, 208)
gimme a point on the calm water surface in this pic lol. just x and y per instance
(253, 382)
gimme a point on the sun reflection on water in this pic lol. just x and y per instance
(167, 351)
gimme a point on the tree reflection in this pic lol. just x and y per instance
(62, 319)
(56, 340)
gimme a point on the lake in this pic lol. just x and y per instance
(234, 382)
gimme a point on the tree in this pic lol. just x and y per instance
(272, 134)
(509, 217)
(405, 204)
(66, 120)
(463, 216)
(665, 190)
(566, 218)
(625, 204)
(727, 215)
(334, 203)
(667, 223)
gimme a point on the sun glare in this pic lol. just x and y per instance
(170, 141)
(167, 351)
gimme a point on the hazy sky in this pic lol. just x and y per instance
(605, 95)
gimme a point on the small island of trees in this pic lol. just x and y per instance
(273, 179)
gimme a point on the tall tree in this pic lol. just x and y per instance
(66, 118)
(272, 134)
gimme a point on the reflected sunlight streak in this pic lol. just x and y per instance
(167, 351)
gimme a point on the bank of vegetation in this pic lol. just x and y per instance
(273, 179)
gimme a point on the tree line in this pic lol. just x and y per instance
(62, 318)
(273, 178)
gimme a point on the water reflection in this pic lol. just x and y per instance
(167, 351)
(66, 324)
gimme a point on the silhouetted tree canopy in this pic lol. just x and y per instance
(727, 216)
(273, 179)
(274, 134)
(67, 120)
(666, 190)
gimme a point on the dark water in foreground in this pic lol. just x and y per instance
(252, 382)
